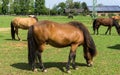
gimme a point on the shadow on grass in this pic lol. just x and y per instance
(14, 40)
(59, 65)
(117, 46)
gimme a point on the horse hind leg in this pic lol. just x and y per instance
(40, 62)
(72, 56)
(16, 31)
(39, 54)
(98, 30)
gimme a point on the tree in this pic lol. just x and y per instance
(40, 7)
(31, 7)
(69, 4)
(77, 5)
(0, 8)
(54, 10)
(16, 7)
(84, 6)
(24, 6)
(21, 6)
(5, 6)
(61, 7)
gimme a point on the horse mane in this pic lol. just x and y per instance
(33, 16)
(87, 37)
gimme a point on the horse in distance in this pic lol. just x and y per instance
(21, 23)
(107, 22)
(73, 34)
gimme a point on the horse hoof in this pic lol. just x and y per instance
(44, 70)
(76, 68)
(89, 65)
(20, 40)
(69, 71)
(35, 70)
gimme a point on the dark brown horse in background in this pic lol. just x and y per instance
(58, 35)
(108, 22)
(22, 23)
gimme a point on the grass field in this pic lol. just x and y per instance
(13, 54)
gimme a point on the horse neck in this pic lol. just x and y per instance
(116, 24)
(35, 18)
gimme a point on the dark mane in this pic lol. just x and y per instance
(89, 41)
(35, 18)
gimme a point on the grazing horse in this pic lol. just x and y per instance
(23, 23)
(59, 35)
(108, 22)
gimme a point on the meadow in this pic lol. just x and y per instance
(13, 53)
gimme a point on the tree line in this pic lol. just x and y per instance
(37, 7)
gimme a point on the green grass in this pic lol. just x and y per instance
(13, 54)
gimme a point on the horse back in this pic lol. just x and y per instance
(23, 23)
(58, 35)
(105, 21)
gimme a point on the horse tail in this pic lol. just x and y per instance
(89, 43)
(31, 46)
(117, 26)
(94, 24)
(12, 31)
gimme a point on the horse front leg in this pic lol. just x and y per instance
(40, 62)
(72, 56)
(41, 48)
(108, 29)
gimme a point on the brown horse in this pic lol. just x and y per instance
(108, 22)
(58, 35)
(23, 23)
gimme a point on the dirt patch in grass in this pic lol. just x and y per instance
(4, 29)
(20, 44)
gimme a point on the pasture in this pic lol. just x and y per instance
(13, 53)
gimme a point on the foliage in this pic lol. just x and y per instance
(69, 4)
(5, 6)
(61, 7)
(77, 5)
(40, 7)
(25, 7)
(86, 11)
(16, 7)
(54, 10)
